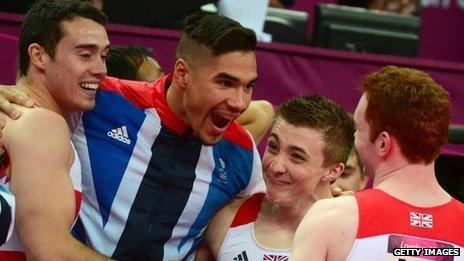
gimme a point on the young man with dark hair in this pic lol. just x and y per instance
(402, 121)
(308, 146)
(133, 63)
(61, 52)
(353, 177)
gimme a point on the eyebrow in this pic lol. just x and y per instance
(299, 149)
(293, 148)
(235, 79)
(90, 46)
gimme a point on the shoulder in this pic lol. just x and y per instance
(35, 124)
(331, 206)
(335, 214)
(141, 94)
(225, 216)
(36, 118)
(219, 225)
(327, 230)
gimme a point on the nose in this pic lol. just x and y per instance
(239, 100)
(99, 67)
(277, 165)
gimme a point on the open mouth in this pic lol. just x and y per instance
(218, 120)
(89, 86)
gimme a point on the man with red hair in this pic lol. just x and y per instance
(402, 121)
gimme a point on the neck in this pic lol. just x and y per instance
(414, 183)
(37, 91)
(174, 101)
(291, 215)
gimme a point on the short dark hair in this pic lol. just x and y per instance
(124, 61)
(42, 25)
(326, 116)
(217, 33)
(411, 106)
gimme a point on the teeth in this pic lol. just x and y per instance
(227, 116)
(89, 85)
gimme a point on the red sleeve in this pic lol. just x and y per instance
(5, 164)
(140, 94)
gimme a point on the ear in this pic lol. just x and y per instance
(334, 171)
(37, 55)
(181, 72)
(383, 144)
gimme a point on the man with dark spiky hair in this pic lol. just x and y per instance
(169, 154)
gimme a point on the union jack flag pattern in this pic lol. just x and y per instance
(268, 257)
(421, 220)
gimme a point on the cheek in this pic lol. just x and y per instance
(266, 161)
(358, 142)
(350, 179)
(247, 98)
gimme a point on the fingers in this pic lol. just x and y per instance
(347, 193)
(8, 108)
(336, 191)
(13, 95)
(21, 98)
(2, 122)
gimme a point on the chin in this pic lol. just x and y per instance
(271, 194)
(87, 107)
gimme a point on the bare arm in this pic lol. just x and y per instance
(41, 156)
(257, 118)
(327, 231)
(217, 230)
(310, 241)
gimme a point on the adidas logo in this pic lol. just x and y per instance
(241, 257)
(120, 134)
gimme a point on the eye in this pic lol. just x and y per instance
(226, 83)
(272, 147)
(103, 57)
(86, 55)
(250, 86)
(298, 157)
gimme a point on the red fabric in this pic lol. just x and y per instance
(248, 211)
(12, 256)
(6, 164)
(78, 198)
(237, 134)
(380, 214)
(148, 95)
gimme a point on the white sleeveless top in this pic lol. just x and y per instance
(240, 242)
